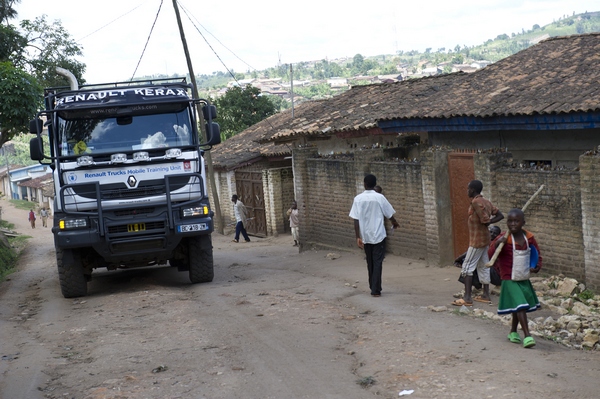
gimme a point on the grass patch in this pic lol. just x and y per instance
(7, 225)
(366, 382)
(10, 253)
(22, 204)
(8, 258)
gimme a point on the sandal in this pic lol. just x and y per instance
(514, 338)
(479, 298)
(528, 342)
(461, 302)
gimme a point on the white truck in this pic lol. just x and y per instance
(129, 178)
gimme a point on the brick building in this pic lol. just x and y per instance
(260, 174)
(527, 120)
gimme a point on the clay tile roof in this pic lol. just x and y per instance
(38, 182)
(244, 147)
(557, 75)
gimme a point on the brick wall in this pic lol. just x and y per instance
(401, 184)
(589, 166)
(554, 216)
(334, 183)
(331, 189)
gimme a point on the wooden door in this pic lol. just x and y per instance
(249, 188)
(461, 171)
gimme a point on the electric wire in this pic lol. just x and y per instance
(208, 44)
(216, 38)
(114, 20)
(147, 40)
(219, 58)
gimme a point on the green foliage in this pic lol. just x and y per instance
(315, 92)
(7, 260)
(6, 225)
(240, 108)
(279, 103)
(49, 46)
(8, 255)
(11, 43)
(585, 295)
(20, 101)
(20, 155)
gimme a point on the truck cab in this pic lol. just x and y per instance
(129, 178)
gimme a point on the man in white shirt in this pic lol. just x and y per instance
(240, 212)
(368, 211)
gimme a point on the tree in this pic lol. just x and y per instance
(50, 46)
(28, 61)
(21, 98)
(7, 10)
(240, 108)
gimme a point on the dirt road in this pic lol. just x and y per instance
(274, 323)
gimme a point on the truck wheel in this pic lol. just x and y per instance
(73, 282)
(200, 254)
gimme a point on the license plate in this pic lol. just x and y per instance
(132, 228)
(192, 227)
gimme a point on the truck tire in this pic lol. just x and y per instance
(73, 282)
(200, 254)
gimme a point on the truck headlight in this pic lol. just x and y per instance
(85, 160)
(118, 158)
(173, 153)
(196, 211)
(65, 224)
(141, 156)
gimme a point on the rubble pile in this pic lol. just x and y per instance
(575, 319)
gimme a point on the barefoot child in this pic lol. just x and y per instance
(517, 295)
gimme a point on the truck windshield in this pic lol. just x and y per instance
(123, 133)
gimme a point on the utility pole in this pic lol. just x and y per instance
(207, 156)
(292, 87)
(7, 173)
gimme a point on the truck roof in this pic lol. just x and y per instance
(120, 94)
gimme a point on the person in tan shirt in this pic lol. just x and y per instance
(482, 213)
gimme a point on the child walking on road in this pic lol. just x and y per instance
(292, 214)
(31, 218)
(518, 257)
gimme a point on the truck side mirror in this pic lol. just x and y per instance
(213, 133)
(36, 148)
(36, 126)
(209, 112)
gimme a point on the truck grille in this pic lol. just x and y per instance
(133, 212)
(121, 191)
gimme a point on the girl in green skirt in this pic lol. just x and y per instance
(519, 256)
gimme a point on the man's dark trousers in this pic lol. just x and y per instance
(375, 254)
(239, 228)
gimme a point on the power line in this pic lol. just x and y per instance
(114, 20)
(208, 44)
(210, 33)
(147, 40)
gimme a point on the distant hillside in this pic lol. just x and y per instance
(405, 64)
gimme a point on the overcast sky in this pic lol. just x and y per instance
(260, 34)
